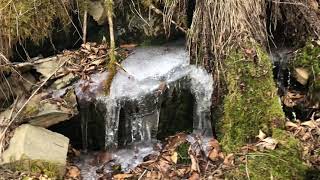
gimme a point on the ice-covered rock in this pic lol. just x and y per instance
(152, 75)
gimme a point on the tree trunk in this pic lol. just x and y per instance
(229, 39)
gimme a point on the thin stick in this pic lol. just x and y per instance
(4, 58)
(84, 28)
(144, 172)
(247, 170)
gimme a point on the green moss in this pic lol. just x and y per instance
(309, 58)
(282, 163)
(50, 169)
(183, 156)
(251, 102)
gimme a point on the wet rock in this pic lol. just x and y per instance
(35, 148)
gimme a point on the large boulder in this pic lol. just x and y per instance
(36, 149)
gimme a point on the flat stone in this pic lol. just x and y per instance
(37, 145)
(47, 111)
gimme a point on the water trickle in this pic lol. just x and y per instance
(282, 73)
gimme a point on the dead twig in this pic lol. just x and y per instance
(84, 28)
(144, 172)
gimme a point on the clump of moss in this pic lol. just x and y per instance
(183, 156)
(309, 57)
(251, 102)
(282, 163)
(52, 170)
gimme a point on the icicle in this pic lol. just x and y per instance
(202, 88)
(84, 115)
(111, 116)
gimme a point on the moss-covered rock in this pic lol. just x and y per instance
(308, 58)
(282, 163)
(251, 102)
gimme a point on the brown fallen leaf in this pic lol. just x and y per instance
(291, 124)
(73, 172)
(164, 166)
(95, 50)
(174, 157)
(128, 46)
(310, 124)
(229, 160)
(213, 143)
(306, 136)
(194, 176)
(268, 143)
(214, 155)
(122, 176)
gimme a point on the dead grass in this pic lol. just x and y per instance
(29, 19)
(220, 25)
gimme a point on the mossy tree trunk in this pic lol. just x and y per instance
(251, 103)
(229, 39)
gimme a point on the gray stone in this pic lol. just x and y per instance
(47, 111)
(37, 145)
